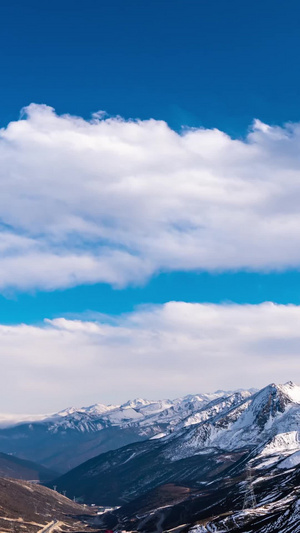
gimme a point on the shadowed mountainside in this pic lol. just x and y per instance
(13, 467)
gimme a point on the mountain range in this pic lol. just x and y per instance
(199, 470)
(221, 433)
(227, 461)
(65, 439)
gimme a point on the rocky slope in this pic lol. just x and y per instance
(29, 507)
(225, 503)
(276, 509)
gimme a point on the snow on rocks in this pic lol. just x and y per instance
(291, 461)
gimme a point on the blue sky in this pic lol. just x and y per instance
(238, 287)
(215, 64)
(210, 64)
(149, 154)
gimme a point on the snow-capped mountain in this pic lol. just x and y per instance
(266, 420)
(85, 418)
(67, 438)
(196, 478)
(191, 453)
(261, 428)
(243, 420)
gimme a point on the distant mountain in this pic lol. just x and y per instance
(13, 467)
(28, 507)
(63, 440)
(224, 433)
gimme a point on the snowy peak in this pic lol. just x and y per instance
(272, 409)
(224, 413)
(268, 419)
(273, 400)
(217, 409)
(291, 390)
(137, 403)
(266, 422)
(96, 409)
(99, 409)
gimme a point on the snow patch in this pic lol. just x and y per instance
(291, 461)
(282, 442)
(158, 436)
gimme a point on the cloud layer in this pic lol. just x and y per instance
(116, 201)
(161, 351)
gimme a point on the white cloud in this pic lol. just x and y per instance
(157, 351)
(116, 201)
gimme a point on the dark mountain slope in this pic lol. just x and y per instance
(120, 476)
(217, 506)
(13, 467)
(62, 448)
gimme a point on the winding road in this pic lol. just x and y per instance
(50, 528)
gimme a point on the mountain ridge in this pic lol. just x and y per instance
(231, 428)
(63, 440)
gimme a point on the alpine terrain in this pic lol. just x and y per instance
(63, 440)
(232, 465)
(227, 461)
